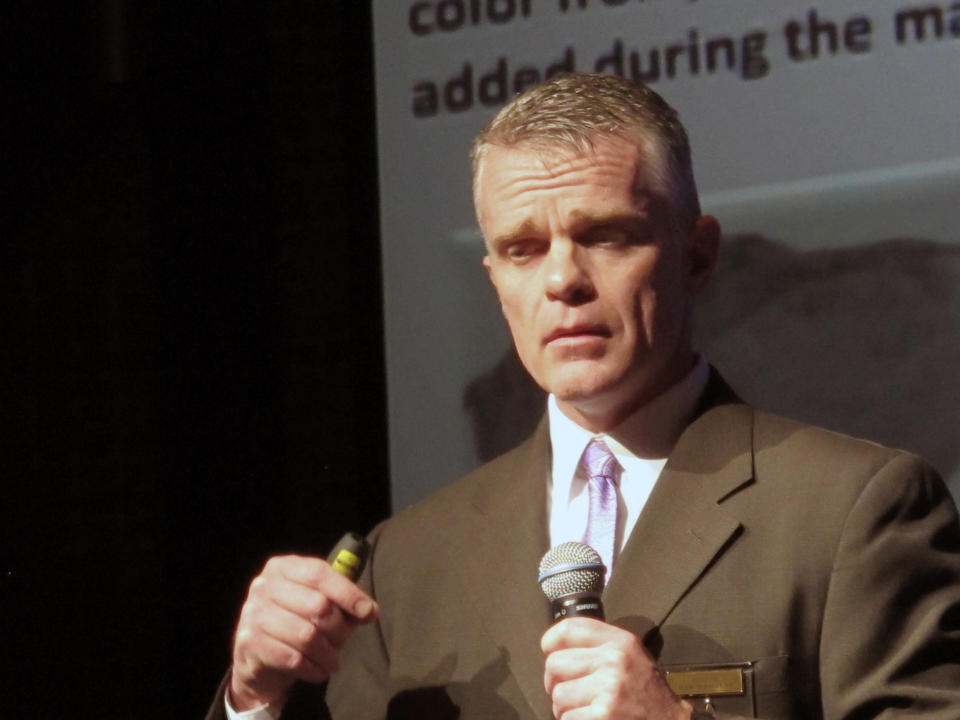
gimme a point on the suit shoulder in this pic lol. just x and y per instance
(817, 485)
(799, 452)
(776, 434)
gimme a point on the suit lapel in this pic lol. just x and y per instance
(501, 579)
(682, 527)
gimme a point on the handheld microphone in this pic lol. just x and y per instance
(349, 556)
(572, 576)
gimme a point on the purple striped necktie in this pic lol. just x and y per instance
(603, 472)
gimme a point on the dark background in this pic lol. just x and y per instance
(193, 363)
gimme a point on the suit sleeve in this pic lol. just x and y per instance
(217, 711)
(890, 641)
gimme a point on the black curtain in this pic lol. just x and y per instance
(193, 363)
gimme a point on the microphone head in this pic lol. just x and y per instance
(571, 568)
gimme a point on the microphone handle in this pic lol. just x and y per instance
(583, 604)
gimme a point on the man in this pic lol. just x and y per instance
(757, 567)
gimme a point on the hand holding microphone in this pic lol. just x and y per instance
(298, 614)
(593, 669)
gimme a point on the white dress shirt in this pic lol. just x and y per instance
(641, 444)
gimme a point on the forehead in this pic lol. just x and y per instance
(548, 157)
(613, 173)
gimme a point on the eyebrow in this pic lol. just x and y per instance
(581, 221)
(527, 227)
(587, 218)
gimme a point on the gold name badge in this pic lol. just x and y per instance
(706, 681)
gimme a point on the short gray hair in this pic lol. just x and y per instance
(574, 109)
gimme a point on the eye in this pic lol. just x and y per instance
(607, 235)
(616, 235)
(524, 249)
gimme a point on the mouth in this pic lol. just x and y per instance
(574, 333)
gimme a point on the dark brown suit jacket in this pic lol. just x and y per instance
(826, 567)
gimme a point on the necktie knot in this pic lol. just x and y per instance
(599, 461)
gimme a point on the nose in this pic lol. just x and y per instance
(567, 277)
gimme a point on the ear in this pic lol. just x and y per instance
(489, 266)
(493, 278)
(703, 248)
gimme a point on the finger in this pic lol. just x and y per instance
(317, 574)
(577, 632)
(299, 636)
(273, 657)
(314, 607)
(329, 620)
(583, 692)
(564, 665)
(587, 712)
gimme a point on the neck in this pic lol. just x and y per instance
(603, 413)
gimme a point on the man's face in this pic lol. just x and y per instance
(594, 278)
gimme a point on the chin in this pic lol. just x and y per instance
(582, 389)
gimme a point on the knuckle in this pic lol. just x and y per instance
(620, 660)
(244, 637)
(255, 665)
(248, 670)
(276, 564)
(559, 695)
(247, 643)
(320, 574)
(246, 611)
(258, 587)
(292, 661)
(323, 607)
(258, 582)
(308, 633)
